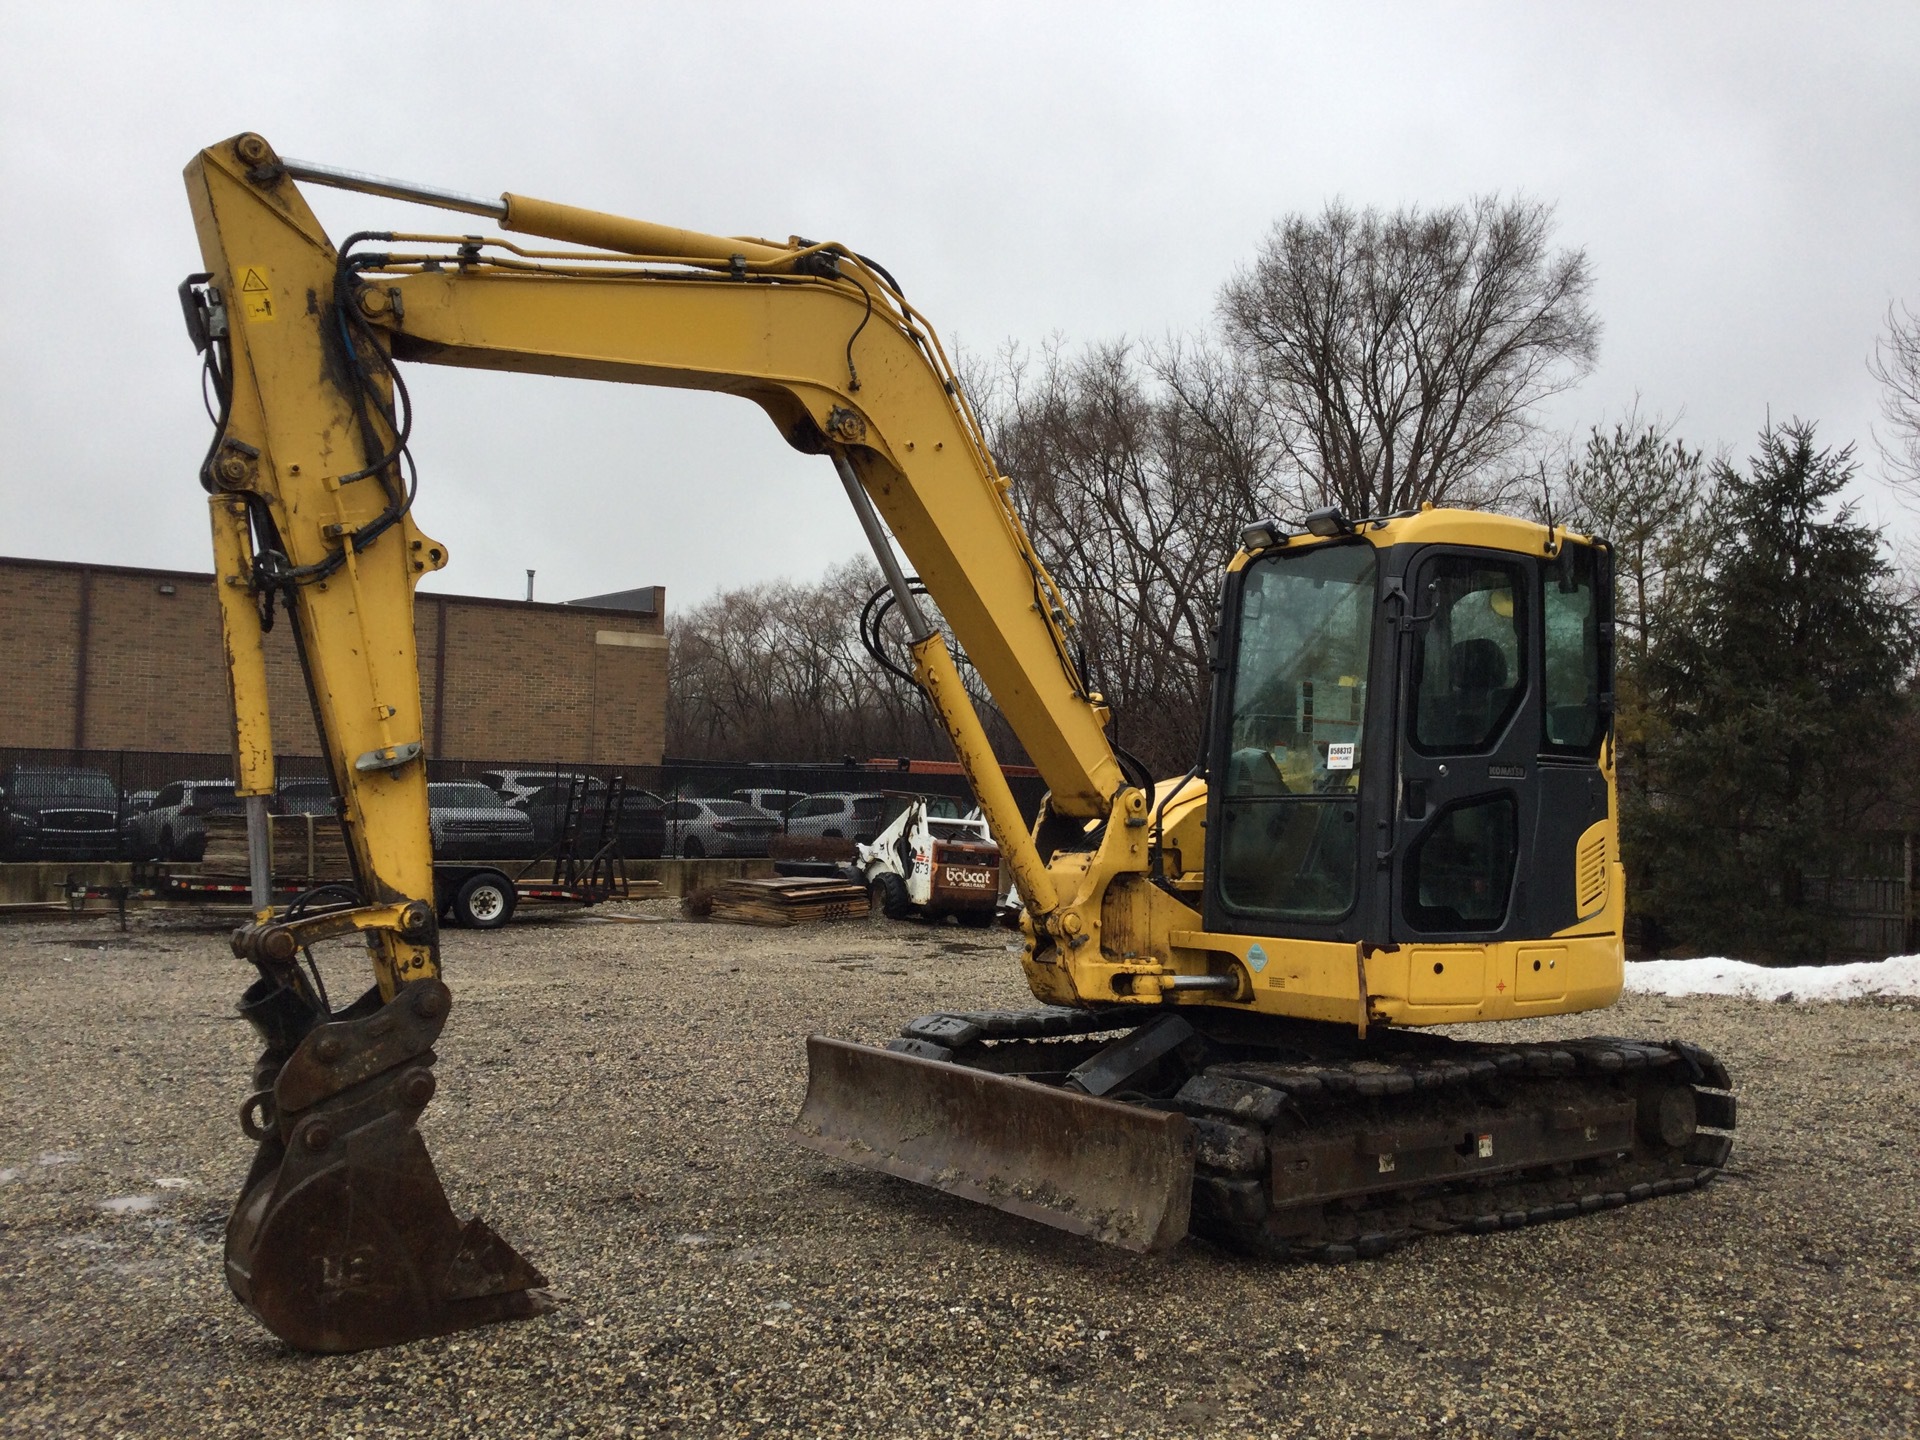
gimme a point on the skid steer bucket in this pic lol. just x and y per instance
(1113, 1172)
(343, 1239)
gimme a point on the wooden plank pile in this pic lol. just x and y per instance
(308, 849)
(787, 901)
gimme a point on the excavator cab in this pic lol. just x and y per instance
(1409, 740)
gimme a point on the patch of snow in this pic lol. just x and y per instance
(7, 1177)
(171, 1182)
(1715, 976)
(58, 1157)
(129, 1204)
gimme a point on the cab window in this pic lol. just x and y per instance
(1289, 846)
(1468, 664)
(1575, 716)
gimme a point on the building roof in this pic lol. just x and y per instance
(644, 601)
(651, 595)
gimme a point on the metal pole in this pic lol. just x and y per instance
(918, 626)
(260, 852)
(339, 179)
(940, 680)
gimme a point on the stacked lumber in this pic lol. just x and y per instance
(787, 901)
(307, 849)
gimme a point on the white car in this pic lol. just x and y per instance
(775, 802)
(841, 815)
(512, 785)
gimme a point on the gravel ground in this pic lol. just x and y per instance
(614, 1099)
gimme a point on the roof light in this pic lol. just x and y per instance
(1327, 522)
(1263, 534)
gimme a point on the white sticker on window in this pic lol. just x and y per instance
(1339, 757)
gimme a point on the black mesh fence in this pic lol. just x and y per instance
(87, 804)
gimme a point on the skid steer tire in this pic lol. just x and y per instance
(889, 894)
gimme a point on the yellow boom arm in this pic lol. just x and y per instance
(820, 339)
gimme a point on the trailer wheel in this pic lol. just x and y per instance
(484, 902)
(889, 892)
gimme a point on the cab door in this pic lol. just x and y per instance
(1467, 747)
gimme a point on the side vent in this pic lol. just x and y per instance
(1590, 872)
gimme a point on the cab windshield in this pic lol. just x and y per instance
(1290, 846)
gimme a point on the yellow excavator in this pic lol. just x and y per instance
(1404, 816)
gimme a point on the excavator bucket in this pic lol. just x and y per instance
(1118, 1173)
(343, 1239)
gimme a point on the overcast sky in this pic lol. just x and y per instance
(1742, 176)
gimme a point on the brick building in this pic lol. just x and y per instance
(107, 657)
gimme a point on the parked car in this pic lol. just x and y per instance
(697, 828)
(174, 826)
(842, 815)
(470, 821)
(138, 803)
(775, 802)
(640, 827)
(50, 812)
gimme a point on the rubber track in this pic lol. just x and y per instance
(1236, 1107)
(1332, 1094)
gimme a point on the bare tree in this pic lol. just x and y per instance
(1135, 472)
(1644, 490)
(777, 671)
(1402, 354)
(1896, 365)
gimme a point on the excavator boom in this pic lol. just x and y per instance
(311, 489)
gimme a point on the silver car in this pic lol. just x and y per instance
(856, 815)
(697, 828)
(174, 826)
(471, 822)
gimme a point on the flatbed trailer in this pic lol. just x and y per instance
(474, 894)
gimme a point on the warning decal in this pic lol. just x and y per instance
(256, 297)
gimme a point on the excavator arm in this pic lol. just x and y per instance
(311, 489)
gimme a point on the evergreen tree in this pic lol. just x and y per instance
(1776, 686)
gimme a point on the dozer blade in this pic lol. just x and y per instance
(343, 1239)
(1118, 1173)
